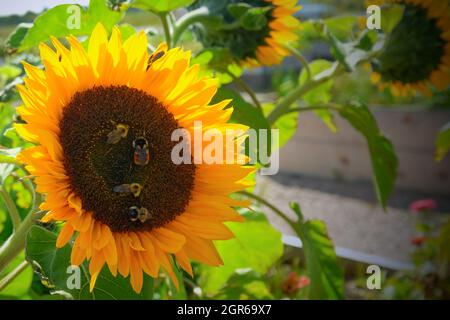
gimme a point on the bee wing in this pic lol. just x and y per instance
(113, 137)
(122, 188)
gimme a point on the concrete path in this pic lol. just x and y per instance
(354, 220)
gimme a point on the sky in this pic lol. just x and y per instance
(8, 7)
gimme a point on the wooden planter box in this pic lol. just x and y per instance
(314, 150)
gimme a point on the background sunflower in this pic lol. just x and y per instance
(256, 32)
(417, 51)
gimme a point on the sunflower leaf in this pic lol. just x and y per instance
(391, 17)
(161, 5)
(52, 265)
(245, 113)
(18, 287)
(7, 163)
(327, 279)
(69, 19)
(320, 94)
(382, 153)
(257, 246)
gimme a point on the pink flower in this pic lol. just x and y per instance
(423, 205)
(418, 241)
(293, 283)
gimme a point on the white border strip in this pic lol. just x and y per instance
(357, 256)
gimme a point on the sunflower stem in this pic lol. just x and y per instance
(164, 16)
(301, 58)
(13, 274)
(283, 106)
(280, 213)
(313, 108)
(16, 242)
(11, 206)
(198, 15)
(244, 86)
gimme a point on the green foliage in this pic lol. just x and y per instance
(160, 5)
(342, 26)
(243, 285)
(52, 263)
(257, 246)
(321, 94)
(17, 288)
(16, 37)
(287, 125)
(443, 143)
(391, 17)
(247, 114)
(7, 160)
(384, 159)
(327, 279)
(61, 21)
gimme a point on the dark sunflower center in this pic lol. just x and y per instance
(102, 164)
(240, 41)
(414, 48)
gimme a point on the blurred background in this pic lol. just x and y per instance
(329, 173)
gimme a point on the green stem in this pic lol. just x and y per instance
(164, 16)
(297, 54)
(16, 242)
(11, 206)
(313, 108)
(247, 89)
(197, 15)
(12, 275)
(297, 93)
(280, 213)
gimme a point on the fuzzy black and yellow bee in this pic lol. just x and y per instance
(141, 214)
(134, 188)
(119, 132)
(141, 155)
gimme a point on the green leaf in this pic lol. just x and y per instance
(349, 54)
(287, 125)
(443, 143)
(21, 284)
(391, 17)
(58, 22)
(298, 211)
(383, 157)
(127, 30)
(257, 246)
(52, 266)
(237, 10)
(255, 18)
(321, 94)
(16, 37)
(247, 114)
(161, 5)
(7, 163)
(243, 285)
(327, 278)
(342, 26)
(8, 72)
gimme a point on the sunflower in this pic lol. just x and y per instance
(417, 52)
(255, 44)
(89, 112)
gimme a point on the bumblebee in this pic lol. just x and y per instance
(141, 155)
(141, 214)
(119, 132)
(134, 188)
